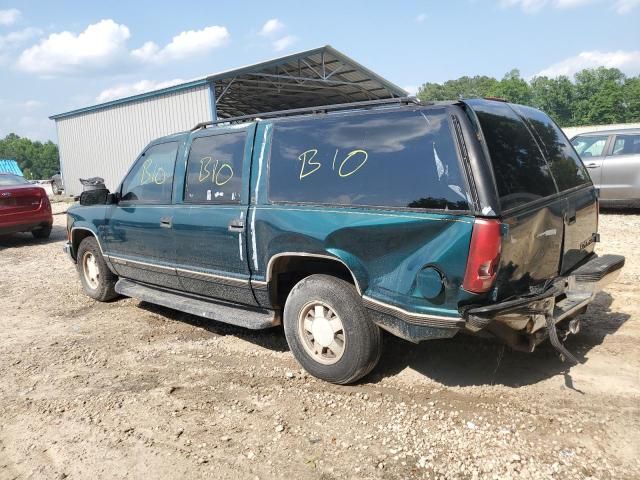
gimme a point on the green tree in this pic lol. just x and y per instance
(37, 160)
(631, 95)
(513, 88)
(463, 87)
(599, 97)
(555, 96)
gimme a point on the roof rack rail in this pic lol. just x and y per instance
(312, 110)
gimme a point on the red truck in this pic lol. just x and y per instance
(24, 207)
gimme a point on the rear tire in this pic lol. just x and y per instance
(97, 280)
(42, 232)
(328, 331)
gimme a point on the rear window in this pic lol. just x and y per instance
(566, 166)
(10, 180)
(520, 169)
(386, 159)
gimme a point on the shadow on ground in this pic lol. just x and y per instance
(19, 240)
(619, 211)
(459, 361)
(468, 361)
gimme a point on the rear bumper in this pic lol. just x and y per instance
(26, 224)
(523, 322)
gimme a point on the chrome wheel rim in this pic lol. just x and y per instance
(322, 332)
(90, 270)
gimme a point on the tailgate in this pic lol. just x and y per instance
(546, 197)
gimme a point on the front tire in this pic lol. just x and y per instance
(97, 280)
(328, 331)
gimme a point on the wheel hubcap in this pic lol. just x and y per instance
(322, 332)
(90, 269)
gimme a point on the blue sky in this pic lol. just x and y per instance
(57, 56)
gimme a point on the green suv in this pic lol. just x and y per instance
(424, 220)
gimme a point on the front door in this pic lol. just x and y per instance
(591, 149)
(210, 216)
(138, 233)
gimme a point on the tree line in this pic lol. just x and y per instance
(37, 160)
(595, 96)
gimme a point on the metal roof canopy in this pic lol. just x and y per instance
(321, 76)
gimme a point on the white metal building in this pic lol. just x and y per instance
(103, 140)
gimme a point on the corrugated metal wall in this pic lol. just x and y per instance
(104, 143)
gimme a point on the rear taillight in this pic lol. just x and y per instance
(484, 256)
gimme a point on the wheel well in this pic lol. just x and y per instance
(287, 271)
(77, 236)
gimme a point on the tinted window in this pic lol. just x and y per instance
(566, 166)
(151, 179)
(626, 145)
(521, 172)
(590, 145)
(214, 169)
(395, 159)
(9, 180)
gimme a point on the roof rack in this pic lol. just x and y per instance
(313, 110)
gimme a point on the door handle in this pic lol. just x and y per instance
(236, 225)
(165, 222)
(593, 165)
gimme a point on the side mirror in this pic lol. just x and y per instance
(113, 198)
(94, 197)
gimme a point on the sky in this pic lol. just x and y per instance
(67, 54)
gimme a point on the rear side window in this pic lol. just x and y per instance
(521, 171)
(151, 178)
(590, 145)
(214, 169)
(384, 159)
(566, 166)
(626, 145)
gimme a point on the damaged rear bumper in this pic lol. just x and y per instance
(526, 321)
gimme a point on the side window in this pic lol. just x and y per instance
(151, 178)
(382, 159)
(520, 169)
(214, 169)
(627, 145)
(566, 166)
(590, 145)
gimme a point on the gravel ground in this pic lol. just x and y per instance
(127, 389)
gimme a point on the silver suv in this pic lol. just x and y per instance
(613, 160)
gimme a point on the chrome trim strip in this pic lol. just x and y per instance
(125, 261)
(411, 314)
(304, 254)
(239, 281)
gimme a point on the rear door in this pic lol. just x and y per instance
(211, 213)
(580, 207)
(621, 169)
(591, 149)
(543, 194)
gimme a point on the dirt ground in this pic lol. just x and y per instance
(130, 390)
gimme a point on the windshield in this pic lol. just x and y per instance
(10, 180)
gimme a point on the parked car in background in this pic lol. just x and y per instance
(56, 184)
(24, 207)
(613, 160)
(424, 220)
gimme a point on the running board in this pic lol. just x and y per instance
(226, 313)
